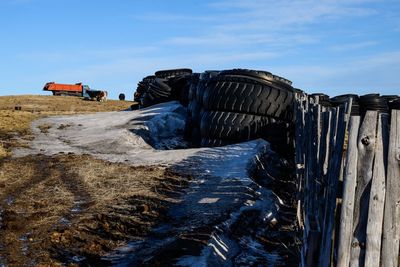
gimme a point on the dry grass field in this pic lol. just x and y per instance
(55, 210)
(16, 123)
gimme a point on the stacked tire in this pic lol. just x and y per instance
(195, 106)
(239, 105)
(164, 86)
(360, 104)
(342, 99)
(142, 87)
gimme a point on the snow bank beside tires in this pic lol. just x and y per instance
(127, 136)
(143, 137)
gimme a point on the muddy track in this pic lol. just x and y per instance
(75, 185)
(75, 209)
(20, 222)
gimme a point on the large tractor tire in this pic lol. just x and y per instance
(249, 95)
(166, 74)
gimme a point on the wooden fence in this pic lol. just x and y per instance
(348, 171)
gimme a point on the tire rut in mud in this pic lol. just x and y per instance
(73, 209)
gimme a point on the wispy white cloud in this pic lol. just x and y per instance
(276, 25)
(367, 74)
(285, 13)
(227, 40)
(353, 46)
(87, 54)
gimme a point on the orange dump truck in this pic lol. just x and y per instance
(66, 89)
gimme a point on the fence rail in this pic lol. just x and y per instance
(348, 172)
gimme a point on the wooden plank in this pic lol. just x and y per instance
(347, 109)
(366, 152)
(301, 105)
(337, 139)
(322, 169)
(312, 159)
(312, 229)
(391, 224)
(313, 242)
(300, 133)
(377, 196)
(324, 255)
(306, 189)
(350, 177)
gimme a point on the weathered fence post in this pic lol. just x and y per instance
(349, 186)
(367, 230)
(337, 140)
(301, 102)
(377, 195)
(366, 152)
(391, 224)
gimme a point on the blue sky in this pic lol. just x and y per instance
(336, 47)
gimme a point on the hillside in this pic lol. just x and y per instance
(15, 123)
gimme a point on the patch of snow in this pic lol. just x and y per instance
(133, 137)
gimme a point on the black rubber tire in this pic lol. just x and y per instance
(149, 78)
(202, 84)
(238, 126)
(195, 109)
(121, 97)
(341, 99)
(222, 128)
(322, 99)
(373, 102)
(158, 92)
(201, 87)
(390, 98)
(165, 74)
(143, 85)
(180, 88)
(248, 95)
(194, 81)
(395, 104)
(283, 80)
(298, 91)
(259, 74)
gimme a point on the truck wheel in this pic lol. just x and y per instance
(220, 128)
(259, 74)
(249, 95)
(373, 102)
(165, 74)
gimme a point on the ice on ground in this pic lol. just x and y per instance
(134, 137)
(212, 210)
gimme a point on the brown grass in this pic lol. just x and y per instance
(55, 207)
(105, 204)
(17, 122)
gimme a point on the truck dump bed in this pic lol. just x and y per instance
(59, 89)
